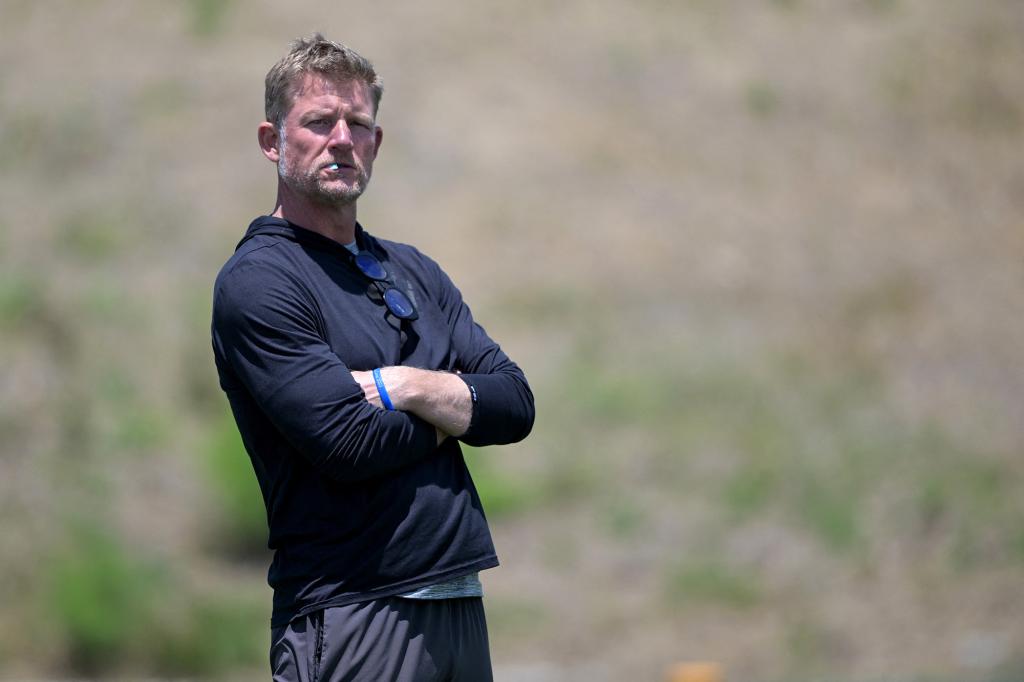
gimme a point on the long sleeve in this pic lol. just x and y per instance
(503, 404)
(266, 329)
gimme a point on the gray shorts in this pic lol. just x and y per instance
(384, 640)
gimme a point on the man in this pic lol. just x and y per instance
(353, 369)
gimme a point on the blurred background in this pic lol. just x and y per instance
(762, 261)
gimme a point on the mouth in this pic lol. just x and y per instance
(337, 167)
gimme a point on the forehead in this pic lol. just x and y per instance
(317, 90)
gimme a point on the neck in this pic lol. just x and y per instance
(334, 222)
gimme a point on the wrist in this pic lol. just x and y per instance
(402, 387)
(382, 390)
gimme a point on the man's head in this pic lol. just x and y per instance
(321, 104)
(319, 56)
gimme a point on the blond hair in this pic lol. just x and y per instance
(317, 55)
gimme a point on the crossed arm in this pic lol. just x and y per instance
(271, 349)
(440, 398)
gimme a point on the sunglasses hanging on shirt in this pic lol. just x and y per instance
(395, 299)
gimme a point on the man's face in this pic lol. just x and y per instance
(328, 141)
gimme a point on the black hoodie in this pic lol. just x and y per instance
(361, 502)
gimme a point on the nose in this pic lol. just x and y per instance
(341, 136)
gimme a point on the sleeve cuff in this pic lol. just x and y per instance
(501, 412)
(474, 418)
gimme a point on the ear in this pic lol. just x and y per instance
(378, 135)
(269, 141)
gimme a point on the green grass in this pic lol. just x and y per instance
(712, 582)
(140, 429)
(762, 99)
(750, 489)
(622, 518)
(200, 392)
(101, 599)
(111, 608)
(109, 303)
(21, 299)
(21, 137)
(830, 508)
(132, 424)
(541, 306)
(162, 99)
(216, 634)
(240, 526)
(808, 645)
(501, 494)
(208, 17)
(509, 618)
(975, 497)
(56, 142)
(806, 442)
(882, 6)
(93, 236)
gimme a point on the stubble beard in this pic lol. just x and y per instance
(310, 185)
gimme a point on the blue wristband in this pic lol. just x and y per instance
(383, 392)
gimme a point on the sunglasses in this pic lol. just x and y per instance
(397, 302)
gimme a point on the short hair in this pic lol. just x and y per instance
(318, 55)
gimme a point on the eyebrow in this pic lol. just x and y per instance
(314, 114)
(317, 113)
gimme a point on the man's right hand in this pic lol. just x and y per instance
(369, 386)
(440, 398)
